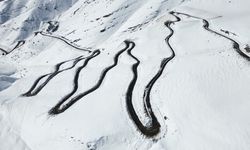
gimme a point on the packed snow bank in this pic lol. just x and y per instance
(6, 68)
(10, 125)
(5, 82)
(9, 140)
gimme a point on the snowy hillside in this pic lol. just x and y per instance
(124, 75)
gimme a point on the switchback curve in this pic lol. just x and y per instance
(38, 85)
(67, 102)
(154, 127)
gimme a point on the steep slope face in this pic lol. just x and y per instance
(124, 74)
(21, 18)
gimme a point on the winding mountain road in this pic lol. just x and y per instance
(65, 103)
(64, 40)
(38, 85)
(153, 128)
(149, 130)
(236, 45)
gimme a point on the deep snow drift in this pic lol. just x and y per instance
(124, 74)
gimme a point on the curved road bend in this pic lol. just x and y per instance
(64, 40)
(64, 104)
(4, 51)
(19, 44)
(38, 85)
(236, 45)
(154, 128)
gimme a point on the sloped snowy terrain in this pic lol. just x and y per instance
(124, 74)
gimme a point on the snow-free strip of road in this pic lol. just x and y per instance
(153, 128)
(38, 85)
(64, 40)
(65, 103)
(236, 45)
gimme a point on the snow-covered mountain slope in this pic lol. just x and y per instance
(124, 74)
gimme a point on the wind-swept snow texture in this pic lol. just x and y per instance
(124, 75)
